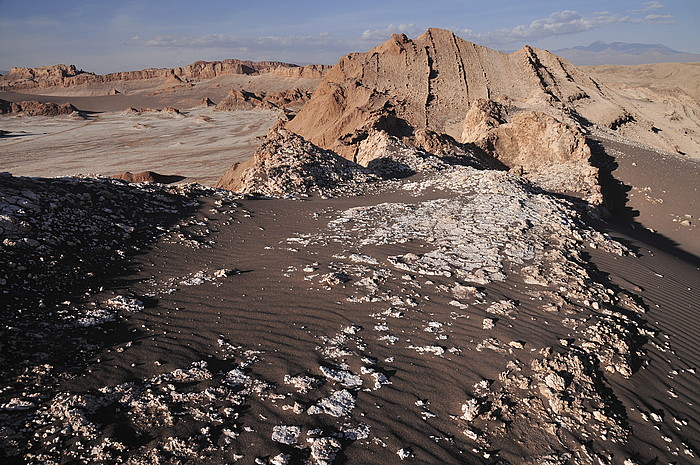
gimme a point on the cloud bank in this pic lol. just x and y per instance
(558, 23)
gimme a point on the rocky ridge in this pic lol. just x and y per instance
(431, 82)
(529, 109)
(69, 76)
(36, 108)
(288, 165)
(245, 100)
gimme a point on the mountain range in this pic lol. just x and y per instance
(623, 53)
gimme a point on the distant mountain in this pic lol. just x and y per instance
(623, 53)
(3, 72)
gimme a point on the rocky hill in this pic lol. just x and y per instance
(432, 81)
(544, 107)
(36, 108)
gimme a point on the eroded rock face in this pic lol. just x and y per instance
(241, 99)
(147, 176)
(238, 100)
(70, 76)
(36, 108)
(535, 145)
(430, 82)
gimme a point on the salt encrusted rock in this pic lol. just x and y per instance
(435, 350)
(334, 279)
(380, 379)
(470, 409)
(280, 459)
(286, 434)
(236, 377)
(503, 307)
(405, 453)
(344, 377)
(130, 304)
(389, 157)
(338, 404)
(324, 450)
(354, 433)
(287, 165)
(303, 384)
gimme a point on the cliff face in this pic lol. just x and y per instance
(430, 82)
(70, 76)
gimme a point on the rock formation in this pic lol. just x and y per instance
(287, 165)
(305, 72)
(69, 76)
(147, 176)
(535, 145)
(430, 82)
(511, 105)
(36, 108)
(206, 102)
(241, 99)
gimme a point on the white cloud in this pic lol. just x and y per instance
(384, 34)
(648, 7)
(234, 42)
(660, 19)
(556, 24)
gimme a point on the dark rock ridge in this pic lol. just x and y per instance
(36, 108)
(244, 100)
(148, 176)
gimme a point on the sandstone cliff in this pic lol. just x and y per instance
(69, 76)
(241, 99)
(533, 144)
(430, 82)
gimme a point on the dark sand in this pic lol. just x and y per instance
(275, 318)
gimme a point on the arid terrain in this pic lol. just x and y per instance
(431, 252)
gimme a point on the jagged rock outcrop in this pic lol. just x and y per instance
(36, 108)
(514, 105)
(430, 82)
(167, 112)
(535, 145)
(304, 72)
(287, 165)
(241, 99)
(390, 157)
(47, 73)
(70, 76)
(238, 99)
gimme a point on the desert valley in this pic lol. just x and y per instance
(430, 252)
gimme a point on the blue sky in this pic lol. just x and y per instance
(107, 36)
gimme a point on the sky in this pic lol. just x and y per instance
(106, 36)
